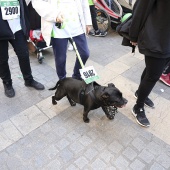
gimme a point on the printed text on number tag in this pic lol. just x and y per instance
(10, 9)
(89, 74)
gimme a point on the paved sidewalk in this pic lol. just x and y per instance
(34, 134)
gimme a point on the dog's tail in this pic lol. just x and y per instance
(57, 84)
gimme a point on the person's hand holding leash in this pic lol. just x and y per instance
(88, 28)
(134, 43)
(60, 18)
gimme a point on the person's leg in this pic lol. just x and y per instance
(4, 69)
(21, 49)
(97, 32)
(152, 72)
(83, 50)
(60, 50)
(93, 17)
(154, 69)
(165, 77)
(148, 102)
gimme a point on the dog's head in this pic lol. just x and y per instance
(111, 96)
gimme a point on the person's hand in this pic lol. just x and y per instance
(88, 28)
(134, 43)
(94, 1)
(60, 18)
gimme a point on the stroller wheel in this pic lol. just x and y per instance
(40, 57)
(103, 20)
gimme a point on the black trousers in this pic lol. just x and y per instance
(20, 47)
(93, 17)
(151, 74)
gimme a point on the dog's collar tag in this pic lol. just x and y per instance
(89, 74)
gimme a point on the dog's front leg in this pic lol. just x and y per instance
(85, 115)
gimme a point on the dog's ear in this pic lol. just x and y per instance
(105, 95)
(111, 85)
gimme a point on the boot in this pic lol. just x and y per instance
(8, 89)
(34, 84)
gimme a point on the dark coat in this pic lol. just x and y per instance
(154, 36)
(5, 31)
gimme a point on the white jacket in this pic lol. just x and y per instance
(47, 9)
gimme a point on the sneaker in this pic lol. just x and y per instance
(100, 33)
(70, 47)
(9, 90)
(34, 84)
(148, 102)
(165, 78)
(140, 116)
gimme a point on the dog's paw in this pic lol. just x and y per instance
(53, 100)
(86, 120)
(111, 117)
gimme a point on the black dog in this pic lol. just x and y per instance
(91, 96)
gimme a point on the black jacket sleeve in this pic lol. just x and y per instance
(141, 10)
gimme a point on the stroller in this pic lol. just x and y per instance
(110, 12)
(36, 42)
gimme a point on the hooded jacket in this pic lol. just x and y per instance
(48, 10)
(153, 37)
(5, 31)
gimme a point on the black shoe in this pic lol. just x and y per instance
(34, 84)
(9, 90)
(148, 102)
(141, 118)
(100, 33)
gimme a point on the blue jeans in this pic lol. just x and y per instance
(60, 50)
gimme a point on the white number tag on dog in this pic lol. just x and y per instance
(10, 9)
(89, 74)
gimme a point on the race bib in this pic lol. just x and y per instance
(89, 74)
(10, 9)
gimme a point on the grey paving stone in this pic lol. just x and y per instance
(129, 153)
(54, 165)
(62, 144)
(71, 167)
(13, 163)
(76, 147)
(137, 165)
(164, 160)
(154, 148)
(146, 156)
(3, 158)
(66, 155)
(138, 144)
(85, 140)
(121, 163)
(156, 166)
(106, 156)
(39, 161)
(98, 164)
(91, 153)
(51, 151)
(115, 147)
(81, 162)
